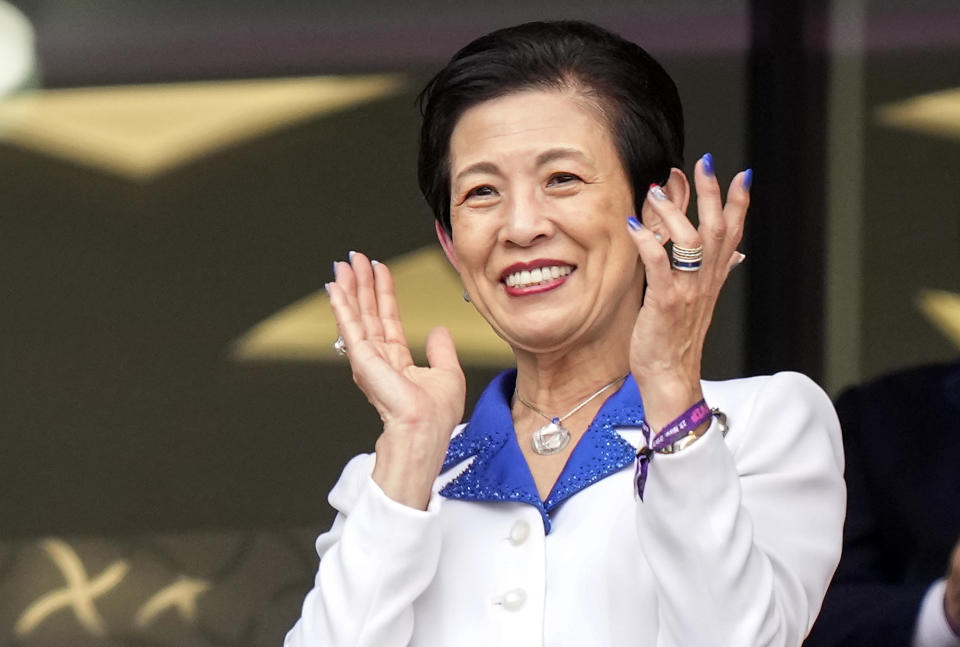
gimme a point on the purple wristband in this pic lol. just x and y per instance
(679, 428)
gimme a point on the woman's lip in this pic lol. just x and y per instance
(546, 286)
(534, 265)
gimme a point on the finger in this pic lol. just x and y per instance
(652, 254)
(735, 209)
(681, 230)
(346, 279)
(378, 380)
(366, 296)
(346, 314)
(713, 226)
(735, 259)
(387, 304)
(441, 352)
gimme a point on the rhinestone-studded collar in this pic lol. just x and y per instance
(499, 471)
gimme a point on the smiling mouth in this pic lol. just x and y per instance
(537, 276)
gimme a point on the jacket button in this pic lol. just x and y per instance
(519, 533)
(513, 600)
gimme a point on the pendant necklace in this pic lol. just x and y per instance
(553, 437)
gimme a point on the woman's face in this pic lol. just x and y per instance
(539, 202)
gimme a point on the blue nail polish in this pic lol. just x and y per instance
(707, 163)
(747, 178)
(335, 269)
(350, 256)
(634, 224)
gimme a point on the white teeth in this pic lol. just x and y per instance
(526, 278)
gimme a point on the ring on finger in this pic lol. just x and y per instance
(340, 346)
(686, 259)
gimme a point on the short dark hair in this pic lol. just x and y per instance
(636, 95)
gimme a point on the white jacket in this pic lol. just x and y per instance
(733, 544)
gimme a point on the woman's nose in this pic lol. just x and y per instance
(526, 219)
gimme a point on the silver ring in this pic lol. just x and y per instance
(686, 259)
(340, 346)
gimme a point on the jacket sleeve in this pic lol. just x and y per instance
(376, 559)
(744, 534)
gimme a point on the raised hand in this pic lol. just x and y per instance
(667, 343)
(419, 405)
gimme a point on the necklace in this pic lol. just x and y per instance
(553, 437)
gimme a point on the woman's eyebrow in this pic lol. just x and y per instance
(480, 167)
(560, 153)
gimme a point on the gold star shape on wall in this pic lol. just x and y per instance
(141, 131)
(429, 294)
(937, 113)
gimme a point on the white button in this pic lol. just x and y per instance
(513, 600)
(519, 533)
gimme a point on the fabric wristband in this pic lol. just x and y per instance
(682, 426)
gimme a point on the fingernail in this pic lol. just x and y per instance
(707, 163)
(747, 178)
(326, 286)
(658, 237)
(657, 192)
(634, 224)
(374, 263)
(335, 269)
(740, 258)
(350, 256)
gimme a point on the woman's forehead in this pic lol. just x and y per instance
(530, 123)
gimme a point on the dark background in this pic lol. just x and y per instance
(122, 414)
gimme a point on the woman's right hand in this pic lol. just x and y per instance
(419, 405)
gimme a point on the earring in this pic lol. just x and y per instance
(466, 297)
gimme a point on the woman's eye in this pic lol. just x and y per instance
(484, 191)
(561, 178)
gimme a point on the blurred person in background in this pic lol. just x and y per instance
(703, 513)
(898, 582)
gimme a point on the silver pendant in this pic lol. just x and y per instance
(550, 438)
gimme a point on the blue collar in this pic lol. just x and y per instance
(499, 471)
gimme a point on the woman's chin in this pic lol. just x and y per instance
(541, 339)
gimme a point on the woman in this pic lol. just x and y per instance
(547, 519)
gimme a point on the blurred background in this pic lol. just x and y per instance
(177, 177)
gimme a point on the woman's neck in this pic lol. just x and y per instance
(557, 382)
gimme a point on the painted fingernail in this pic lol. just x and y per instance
(326, 286)
(741, 257)
(335, 269)
(657, 192)
(658, 237)
(747, 178)
(707, 163)
(634, 224)
(374, 263)
(350, 256)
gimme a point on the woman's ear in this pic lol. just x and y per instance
(447, 243)
(677, 189)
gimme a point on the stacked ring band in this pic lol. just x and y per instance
(686, 259)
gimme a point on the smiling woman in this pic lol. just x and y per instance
(538, 146)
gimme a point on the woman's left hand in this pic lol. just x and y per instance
(667, 343)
